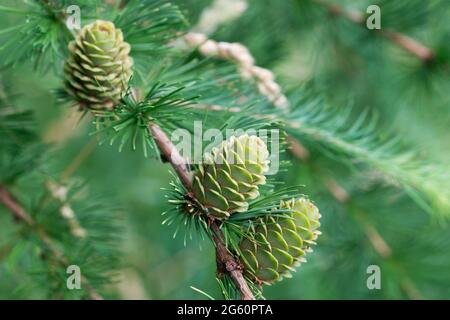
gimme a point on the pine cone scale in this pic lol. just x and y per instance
(99, 66)
(225, 181)
(280, 242)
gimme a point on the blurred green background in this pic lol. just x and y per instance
(305, 45)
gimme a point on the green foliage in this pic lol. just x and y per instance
(96, 253)
(20, 151)
(38, 35)
(363, 163)
(44, 249)
(358, 140)
(128, 122)
(15, 125)
(149, 26)
(194, 226)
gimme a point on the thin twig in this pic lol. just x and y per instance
(410, 44)
(378, 243)
(403, 41)
(224, 257)
(13, 205)
(82, 155)
(240, 55)
(384, 250)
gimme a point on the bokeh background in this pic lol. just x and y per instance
(306, 44)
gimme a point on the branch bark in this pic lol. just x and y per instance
(171, 154)
(227, 262)
(19, 213)
(7, 199)
(224, 258)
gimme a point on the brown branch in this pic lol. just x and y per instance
(297, 148)
(403, 41)
(171, 154)
(409, 44)
(13, 205)
(378, 243)
(339, 193)
(225, 260)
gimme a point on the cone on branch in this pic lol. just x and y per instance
(279, 243)
(98, 68)
(230, 175)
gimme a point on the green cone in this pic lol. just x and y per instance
(230, 175)
(279, 243)
(99, 66)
